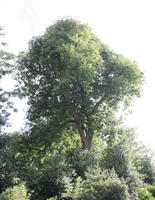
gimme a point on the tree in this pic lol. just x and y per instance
(17, 192)
(5, 68)
(73, 80)
(10, 165)
(119, 155)
(144, 162)
(100, 185)
(46, 178)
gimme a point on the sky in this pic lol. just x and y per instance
(127, 26)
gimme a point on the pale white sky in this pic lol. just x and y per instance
(127, 26)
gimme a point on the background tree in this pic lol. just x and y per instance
(16, 192)
(7, 162)
(100, 185)
(145, 163)
(72, 79)
(119, 154)
(5, 68)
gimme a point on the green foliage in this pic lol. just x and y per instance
(151, 189)
(72, 80)
(77, 188)
(118, 153)
(73, 189)
(9, 166)
(101, 185)
(134, 181)
(144, 163)
(144, 194)
(148, 168)
(45, 178)
(53, 198)
(5, 69)
(16, 193)
(80, 160)
(74, 85)
(53, 174)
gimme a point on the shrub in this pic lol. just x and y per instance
(15, 193)
(151, 189)
(134, 181)
(144, 194)
(80, 160)
(47, 179)
(101, 185)
(147, 167)
(53, 198)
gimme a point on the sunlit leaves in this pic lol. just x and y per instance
(70, 76)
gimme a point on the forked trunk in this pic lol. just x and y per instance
(86, 138)
(87, 142)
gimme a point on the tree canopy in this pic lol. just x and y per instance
(73, 80)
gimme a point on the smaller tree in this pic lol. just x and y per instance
(9, 165)
(118, 153)
(101, 185)
(81, 160)
(5, 68)
(144, 194)
(148, 169)
(151, 189)
(45, 177)
(18, 192)
(145, 163)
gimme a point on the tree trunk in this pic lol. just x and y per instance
(86, 138)
(87, 144)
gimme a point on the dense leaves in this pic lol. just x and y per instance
(81, 160)
(72, 80)
(74, 146)
(46, 178)
(144, 194)
(17, 192)
(101, 185)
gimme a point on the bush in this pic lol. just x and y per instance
(15, 193)
(147, 168)
(80, 160)
(118, 154)
(144, 194)
(47, 178)
(53, 198)
(100, 186)
(8, 161)
(134, 181)
(151, 189)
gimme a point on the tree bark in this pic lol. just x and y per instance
(86, 138)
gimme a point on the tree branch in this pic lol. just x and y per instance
(98, 103)
(74, 114)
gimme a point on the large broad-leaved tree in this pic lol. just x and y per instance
(73, 80)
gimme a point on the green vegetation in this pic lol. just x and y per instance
(17, 192)
(74, 146)
(73, 80)
(5, 69)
